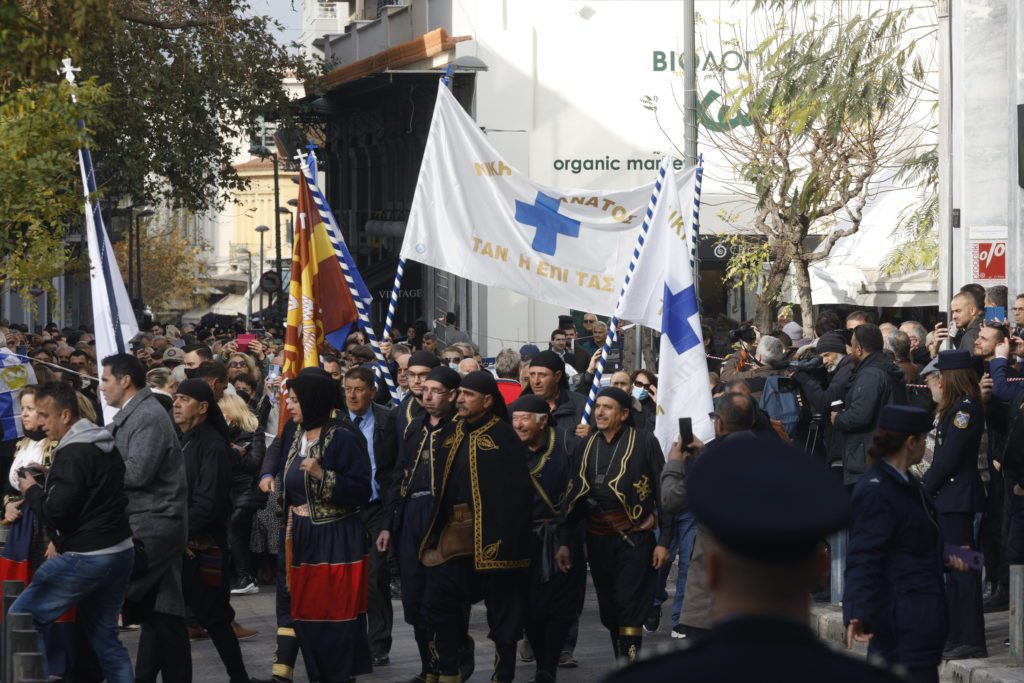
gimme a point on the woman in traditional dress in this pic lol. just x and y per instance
(326, 480)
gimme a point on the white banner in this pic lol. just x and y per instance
(475, 216)
(661, 295)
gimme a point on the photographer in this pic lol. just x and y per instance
(769, 359)
(823, 380)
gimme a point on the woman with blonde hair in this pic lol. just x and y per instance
(242, 424)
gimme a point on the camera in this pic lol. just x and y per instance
(38, 475)
(743, 333)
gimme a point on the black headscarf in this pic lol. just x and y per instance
(200, 390)
(483, 382)
(317, 393)
(617, 395)
(551, 360)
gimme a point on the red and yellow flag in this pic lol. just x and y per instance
(320, 304)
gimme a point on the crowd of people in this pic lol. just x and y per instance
(216, 478)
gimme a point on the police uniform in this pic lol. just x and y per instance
(477, 546)
(420, 466)
(767, 504)
(895, 561)
(555, 597)
(616, 486)
(954, 483)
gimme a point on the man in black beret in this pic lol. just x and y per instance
(420, 365)
(478, 544)
(548, 380)
(208, 461)
(615, 482)
(766, 508)
(421, 468)
(824, 386)
(556, 598)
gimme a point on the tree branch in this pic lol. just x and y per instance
(171, 25)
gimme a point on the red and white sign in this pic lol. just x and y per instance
(988, 262)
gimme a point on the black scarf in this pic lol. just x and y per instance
(318, 394)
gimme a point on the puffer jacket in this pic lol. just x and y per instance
(877, 381)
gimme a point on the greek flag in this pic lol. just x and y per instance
(15, 374)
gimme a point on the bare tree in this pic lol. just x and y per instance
(832, 104)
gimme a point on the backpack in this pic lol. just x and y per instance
(780, 405)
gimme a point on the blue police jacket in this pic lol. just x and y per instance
(894, 568)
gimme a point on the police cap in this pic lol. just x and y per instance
(765, 500)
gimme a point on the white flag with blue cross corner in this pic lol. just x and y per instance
(661, 295)
(475, 216)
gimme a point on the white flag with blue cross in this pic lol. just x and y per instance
(661, 295)
(475, 216)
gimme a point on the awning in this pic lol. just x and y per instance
(232, 305)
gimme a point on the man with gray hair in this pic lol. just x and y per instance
(506, 367)
(918, 342)
(899, 343)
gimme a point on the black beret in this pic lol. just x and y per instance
(424, 359)
(953, 360)
(765, 500)
(196, 389)
(831, 342)
(480, 381)
(446, 376)
(617, 395)
(549, 360)
(529, 403)
(905, 419)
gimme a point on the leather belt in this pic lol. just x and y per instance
(616, 523)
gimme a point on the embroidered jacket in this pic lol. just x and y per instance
(345, 485)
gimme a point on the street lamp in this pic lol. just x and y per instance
(261, 229)
(263, 152)
(283, 211)
(145, 213)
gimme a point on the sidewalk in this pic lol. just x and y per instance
(998, 667)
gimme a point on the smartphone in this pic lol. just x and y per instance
(972, 558)
(685, 432)
(21, 350)
(995, 313)
(944, 318)
(243, 341)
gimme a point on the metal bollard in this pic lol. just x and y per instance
(838, 543)
(11, 591)
(28, 667)
(1017, 612)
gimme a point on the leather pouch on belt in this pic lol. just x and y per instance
(456, 538)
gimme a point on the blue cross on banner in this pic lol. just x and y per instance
(543, 215)
(675, 319)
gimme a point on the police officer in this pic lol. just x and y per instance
(766, 508)
(894, 596)
(955, 485)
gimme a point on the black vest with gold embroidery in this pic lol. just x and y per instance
(501, 493)
(631, 481)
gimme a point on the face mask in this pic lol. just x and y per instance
(454, 366)
(639, 394)
(35, 434)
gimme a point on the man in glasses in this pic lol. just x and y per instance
(420, 365)
(587, 338)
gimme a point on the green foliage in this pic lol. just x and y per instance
(166, 89)
(916, 234)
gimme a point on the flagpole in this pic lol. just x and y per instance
(336, 241)
(695, 233)
(393, 302)
(93, 209)
(613, 325)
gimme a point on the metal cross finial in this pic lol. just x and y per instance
(300, 157)
(68, 70)
(312, 146)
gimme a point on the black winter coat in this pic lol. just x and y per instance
(245, 465)
(208, 461)
(876, 382)
(894, 568)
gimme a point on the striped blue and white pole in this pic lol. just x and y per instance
(334, 232)
(695, 232)
(613, 325)
(393, 302)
